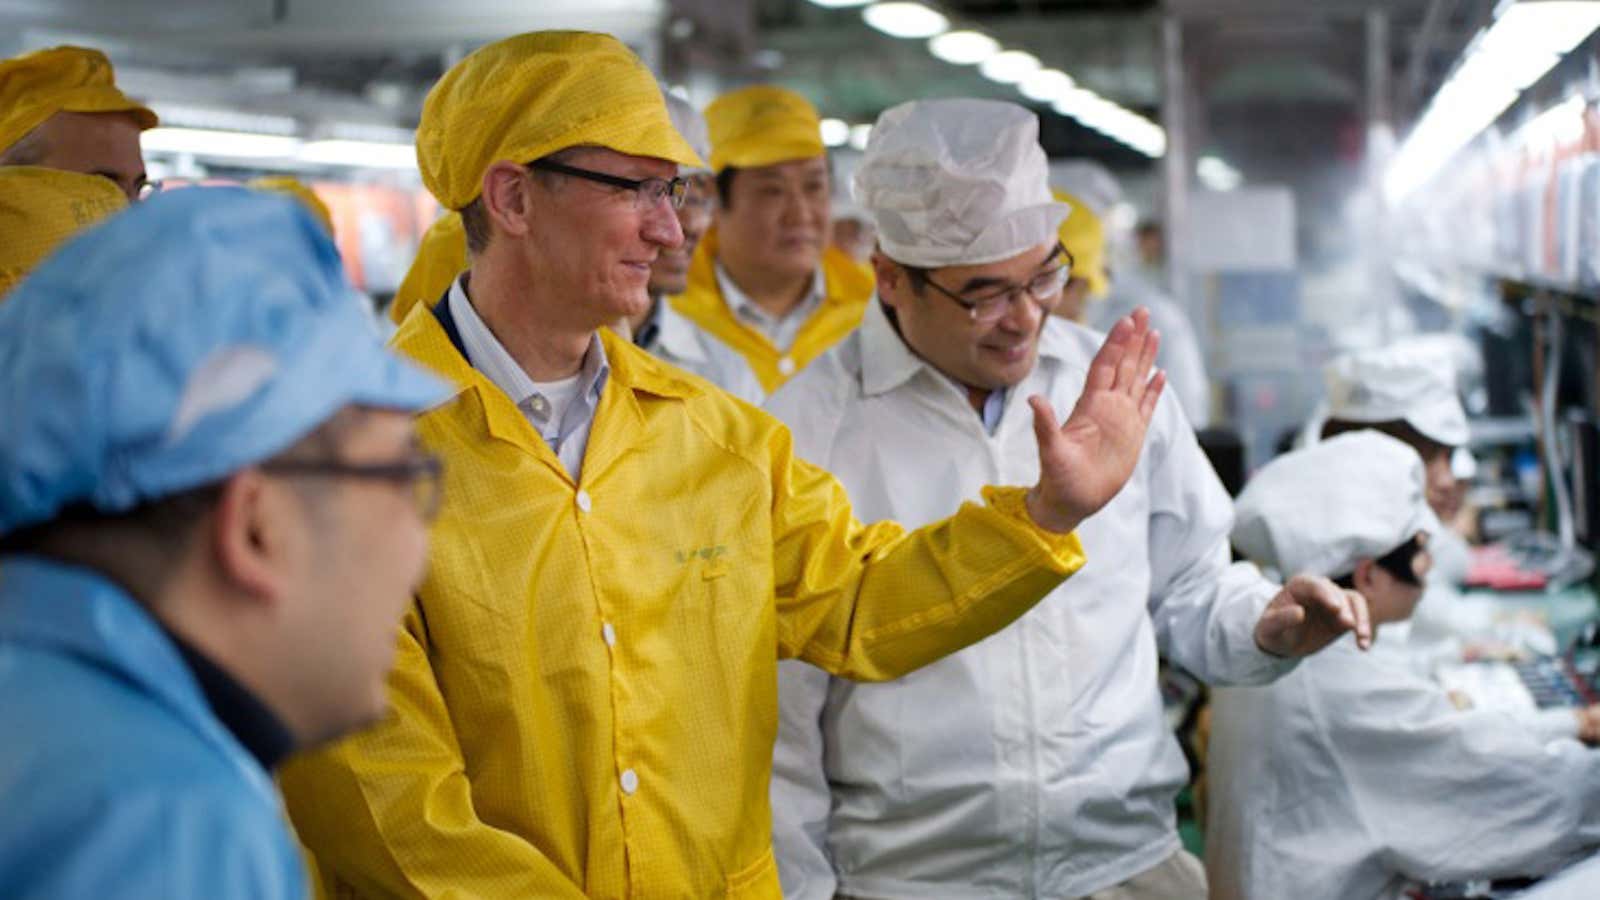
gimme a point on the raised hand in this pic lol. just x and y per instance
(1310, 613)
(1084, 463)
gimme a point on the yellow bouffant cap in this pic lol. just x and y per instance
(283, 184)
(1084, 236)
(37, 85)
(441, 256)
(761, 126)
(531, 95)
(40, 209)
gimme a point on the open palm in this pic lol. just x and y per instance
(1084, 463)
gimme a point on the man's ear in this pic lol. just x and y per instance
(248, 535)
(890, 277)
(506, 197)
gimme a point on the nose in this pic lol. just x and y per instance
(660, 226)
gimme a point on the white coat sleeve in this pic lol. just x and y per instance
(1204, 607)
(801, 800)
(1454, 795)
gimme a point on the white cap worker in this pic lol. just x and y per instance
(1098, 296)
(60, 109)
(766, 280)
(212, 516)
(1036, 763)
(660, 329)
(1408, 390)
(586, 688)
(1353, 776)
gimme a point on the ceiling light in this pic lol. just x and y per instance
(1009, 67)
(963, 48)
(230, 144)
(835, 132)
(839, 4)
(905, 20)
(859, 135)
(1045, 85)
(1524, 42)
(360, 154)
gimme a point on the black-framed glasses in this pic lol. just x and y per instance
(1401, 562)
(423, 473)
(647, 192)
(989, 305)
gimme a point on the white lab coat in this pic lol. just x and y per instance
(1036, 763)
(689, 347)
(1180, 354)
(1354, 774)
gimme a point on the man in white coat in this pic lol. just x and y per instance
(1354, 777)
(1036, 763)
(661, 329)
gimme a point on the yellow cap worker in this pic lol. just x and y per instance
(40, 209)
(60, 108)
(585, 692)
(765, 279)
(1084, 238)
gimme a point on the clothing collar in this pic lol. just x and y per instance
(81, 613)
(649, 331)
(486, 354)
(747, 309)
(252, 724)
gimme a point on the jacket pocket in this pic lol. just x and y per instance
(757, 881)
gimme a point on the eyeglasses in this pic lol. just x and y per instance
(989, 305)
(424, 474)
(647, 191)
(1401, 562)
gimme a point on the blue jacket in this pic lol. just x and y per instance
(116, 780)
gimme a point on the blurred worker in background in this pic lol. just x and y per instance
(1354, 776)
(60, 109)
(212, 515)
(661, 329)
(766, 280)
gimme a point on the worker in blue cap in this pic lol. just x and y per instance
(212, 515)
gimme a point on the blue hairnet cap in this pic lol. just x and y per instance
(187, 338)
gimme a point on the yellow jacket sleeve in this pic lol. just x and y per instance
(405, 826)
(872, 603)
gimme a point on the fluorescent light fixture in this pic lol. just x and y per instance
(905, 20)
(1045, 85)
(859, 135)
(839, 4)
(360, 154)
(1009, 67)
(185, 116)
(1558, 125)
(1522, 44)
(963, 48)
(226, 144)
(835, 132)
(1116, 122)
(1217, 175)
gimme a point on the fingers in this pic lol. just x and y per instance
(1103, 369)
(1152, 394)
(1045, 428)
(1130, 377)
(1363, 617)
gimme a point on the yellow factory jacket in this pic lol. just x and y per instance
(584, 701)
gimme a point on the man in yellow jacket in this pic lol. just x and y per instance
(765, 279)
(60, 108)
(584, 699)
